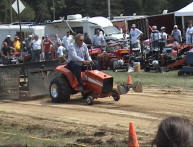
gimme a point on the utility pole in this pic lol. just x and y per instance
(109, 8)
(53, 1)
(19, 16)
(11, 12)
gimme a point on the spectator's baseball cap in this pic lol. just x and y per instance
(154, 27)
(8, 36)
(133, 25)
(163, 28)
(30, 36)
(46, 35)
(175, 26)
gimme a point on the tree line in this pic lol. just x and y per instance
(41, 10)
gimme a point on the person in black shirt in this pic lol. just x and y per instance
(87, 41)
(9, 42)
(5, 52)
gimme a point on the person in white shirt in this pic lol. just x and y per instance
(98, 40)
(154, 36)
(67, 40)
(56, 42)
(36, 49)
(61, 51)
(163, 39)
(189, 34)
(135, 36)
(176, 34)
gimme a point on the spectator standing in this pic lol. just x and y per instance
(125, 42)
(28, 43)
(163, 39)
(47, 47)
(57, 41)
(176, 34)
(5, 52)
(189, 34)
(135, 34)
(36, 49)
(155, 36)
(67, 40)
(61, 53)
(17, 44)
(87, 40)
(9, 41)
(98, 40)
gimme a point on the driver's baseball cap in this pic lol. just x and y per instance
(8, 36)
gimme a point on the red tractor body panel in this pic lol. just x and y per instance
(68, 74)
(94, 81)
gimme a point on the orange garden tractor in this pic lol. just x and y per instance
(96, 84)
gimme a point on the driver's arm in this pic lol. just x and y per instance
(87, 56)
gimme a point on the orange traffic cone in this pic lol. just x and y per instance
(129, 80)
(133, 142)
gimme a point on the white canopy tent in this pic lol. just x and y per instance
(186, 11)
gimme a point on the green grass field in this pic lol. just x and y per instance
(165, 79)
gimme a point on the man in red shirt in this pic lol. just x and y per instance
(47, 45)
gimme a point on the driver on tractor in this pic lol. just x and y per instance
(78, 57)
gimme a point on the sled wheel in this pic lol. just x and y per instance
(137, 87)
(89, 100)
(115, 95)
(59, 90)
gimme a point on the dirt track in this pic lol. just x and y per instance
(112, 118)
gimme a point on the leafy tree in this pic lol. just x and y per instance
(41, 10)
(4, 11)
(174, 5)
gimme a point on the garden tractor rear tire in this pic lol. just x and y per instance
(59, 90)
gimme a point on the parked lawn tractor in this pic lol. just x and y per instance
(171, 57)
(188, 69)
(116, 58)
(96, 84)
(94, 55)
(177, 56)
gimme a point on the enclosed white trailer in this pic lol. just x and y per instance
(27, 29)
(88, 25)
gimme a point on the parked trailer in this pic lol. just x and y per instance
(26, 29)
(145, 22)
(125, 22)
(77, 23)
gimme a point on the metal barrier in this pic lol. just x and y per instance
(39, 77)
(9, 82)
(26, 80)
